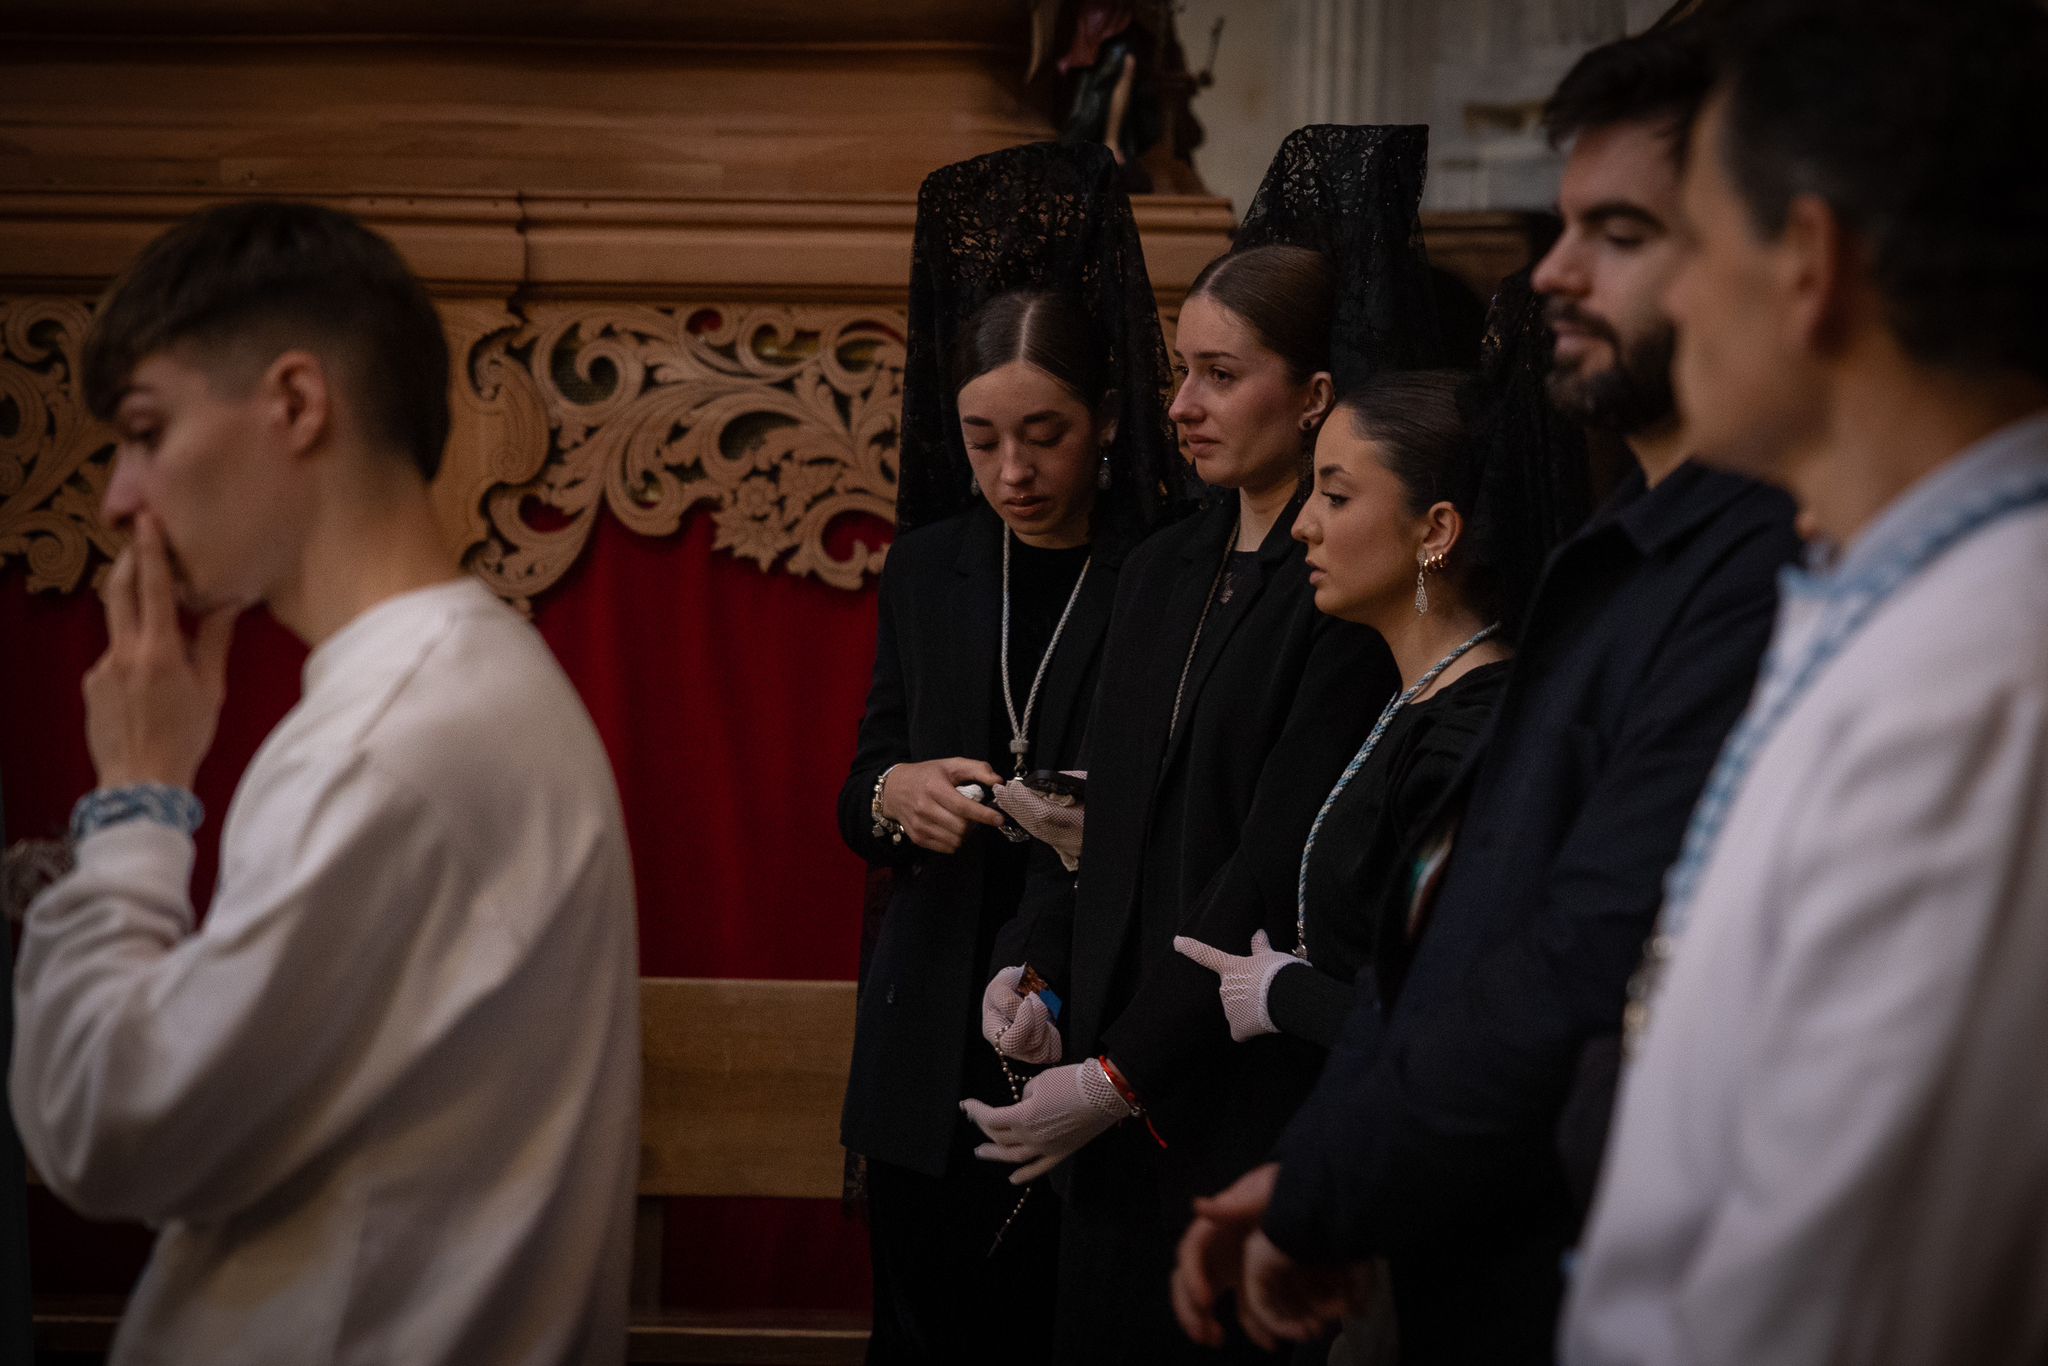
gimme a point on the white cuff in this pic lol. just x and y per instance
(144, 861)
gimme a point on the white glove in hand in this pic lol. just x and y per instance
(1246, 980)
(1063, 1110)
(1054, 820)
(1020, 1027)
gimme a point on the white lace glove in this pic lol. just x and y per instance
(1054, 820)
(1246, 980)
(1063, 1110)
(1020, 1027)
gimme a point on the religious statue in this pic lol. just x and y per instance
(1127, 86)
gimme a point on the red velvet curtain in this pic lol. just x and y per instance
(728, 700)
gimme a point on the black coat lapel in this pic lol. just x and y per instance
(1174, 626)
(1216, 633)
(1063, 708)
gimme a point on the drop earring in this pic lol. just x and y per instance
(1102, 471)
(1423, 564)
(973, 485)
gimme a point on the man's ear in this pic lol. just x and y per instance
(298, 387)
(1818, 269)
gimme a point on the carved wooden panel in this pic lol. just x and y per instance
(53, 464)
(776, 421)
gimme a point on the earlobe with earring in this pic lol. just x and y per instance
(1102, 469)
(1424, 564)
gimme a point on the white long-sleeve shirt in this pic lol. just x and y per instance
(1833, 1143)
(384, 1103)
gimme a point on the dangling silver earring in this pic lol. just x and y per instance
(1423, 564)
(1102, 471)
(973, 486)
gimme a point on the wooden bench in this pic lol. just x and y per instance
(741, 1086)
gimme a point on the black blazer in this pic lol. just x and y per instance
(1430, 1135)
(939, 618)
(1279, 698)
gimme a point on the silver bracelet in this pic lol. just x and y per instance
(883, 825)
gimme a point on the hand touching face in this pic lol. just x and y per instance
(153, 699)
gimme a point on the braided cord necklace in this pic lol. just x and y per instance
(1019, 747)
(1020, 726)
(1351, 769)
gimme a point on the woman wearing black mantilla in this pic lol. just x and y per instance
(1035, 453)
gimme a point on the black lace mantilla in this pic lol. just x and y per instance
(1042, 216)
(1354, 193)
(1526, 458)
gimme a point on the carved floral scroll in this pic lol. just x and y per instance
(53, 454)
(775, 421)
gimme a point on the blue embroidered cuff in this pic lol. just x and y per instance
(172, 806)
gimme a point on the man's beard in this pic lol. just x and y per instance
(1633, 394)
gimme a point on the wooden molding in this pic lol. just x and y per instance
(811, 250)
(863, 23)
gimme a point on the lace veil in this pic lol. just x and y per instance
(1354, 193)
(1041, 216)
(1528, 462)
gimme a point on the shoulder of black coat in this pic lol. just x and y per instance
(1163, 550)
(934, 547)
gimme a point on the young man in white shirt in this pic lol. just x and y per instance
(383, 1103)
(1831, 1144)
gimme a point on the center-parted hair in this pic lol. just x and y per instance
(1053, 218)
(1284, 294)
(1044, 329)
(242, 283)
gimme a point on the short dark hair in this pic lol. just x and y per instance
(1284, 293)
(267, 275)
(1657, 77)
(1049, 330)
(1922, 127)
